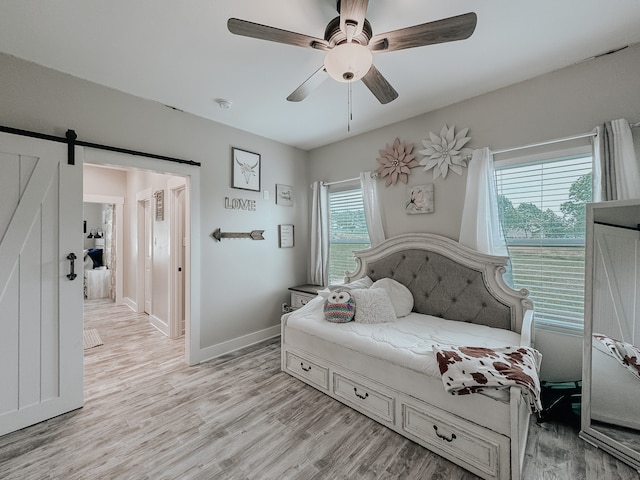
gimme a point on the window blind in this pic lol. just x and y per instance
(347, 232)
(542, 212)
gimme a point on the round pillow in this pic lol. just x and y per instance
(400, 295)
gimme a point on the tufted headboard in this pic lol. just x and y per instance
(447, 279)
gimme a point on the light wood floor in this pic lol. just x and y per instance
(149, 416)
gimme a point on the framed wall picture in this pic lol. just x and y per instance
(420, 199)
(284, 195)
(245, 170)
(285, 236)
(159, 196)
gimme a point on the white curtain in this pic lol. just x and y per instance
(372, 212)
(319, 234)
(480, 228)
(617, 166)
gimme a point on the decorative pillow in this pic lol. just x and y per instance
(400, 296)
(364, 282)
(96, 256)
(339, 307)
(373, 306)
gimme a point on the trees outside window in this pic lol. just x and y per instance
(542, 213)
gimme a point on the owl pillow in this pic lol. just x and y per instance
(339, 307)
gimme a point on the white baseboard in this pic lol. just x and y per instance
(229, 346)
(160, 324)
(130, 303)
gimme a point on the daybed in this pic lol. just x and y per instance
(389, 372)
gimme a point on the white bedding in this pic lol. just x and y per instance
(407, 342)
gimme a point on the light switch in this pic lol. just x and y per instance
(265, 194)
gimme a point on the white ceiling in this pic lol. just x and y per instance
(181, 54)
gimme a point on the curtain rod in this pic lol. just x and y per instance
(557, 140)
(548, 142)
(337, 182)
(357, 179)
(326, 184)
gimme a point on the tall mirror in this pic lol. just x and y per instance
(611, 363)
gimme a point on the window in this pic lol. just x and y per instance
(542, 210)
(347, 231)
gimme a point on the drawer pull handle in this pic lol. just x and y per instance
(308, 369)
(444, 437)
(366, 394)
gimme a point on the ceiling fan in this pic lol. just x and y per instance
(349, 43)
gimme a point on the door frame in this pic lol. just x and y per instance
(119, 208)
(174, 186)
(191, 174)
(142, 198)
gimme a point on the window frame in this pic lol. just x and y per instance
(579, 151)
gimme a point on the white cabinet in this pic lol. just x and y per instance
(302, 294)
(610, 410)
(97, 283)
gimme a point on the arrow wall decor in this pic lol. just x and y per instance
(253, 235)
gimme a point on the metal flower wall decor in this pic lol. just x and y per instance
(396, 162)
(445, 152)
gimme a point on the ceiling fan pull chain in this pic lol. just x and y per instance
(349, 107)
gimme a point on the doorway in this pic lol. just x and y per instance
(170, 295)
(103, 217)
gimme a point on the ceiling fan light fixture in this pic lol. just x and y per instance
(348, 62)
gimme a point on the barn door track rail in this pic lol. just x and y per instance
(71, 139)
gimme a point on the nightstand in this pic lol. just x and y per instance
(301, 294)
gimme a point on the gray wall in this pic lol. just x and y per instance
(243, 282)
(566, 102)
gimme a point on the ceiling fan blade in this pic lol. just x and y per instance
(272, 34)
(309, 85)
(379, 86)
(440, 31)
(352, 13)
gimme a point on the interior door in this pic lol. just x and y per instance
(41, 342)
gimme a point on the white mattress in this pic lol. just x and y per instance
(407, 342)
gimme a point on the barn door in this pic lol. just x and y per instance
(41, 339)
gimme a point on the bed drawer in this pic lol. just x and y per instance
(476, 448)
(370, 401)
(308, 370)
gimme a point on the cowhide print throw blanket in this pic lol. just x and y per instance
(468, 370)
(627, 354)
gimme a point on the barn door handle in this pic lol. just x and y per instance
(72, 258)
